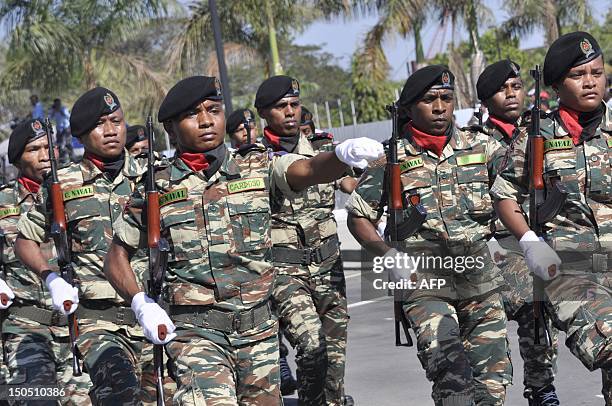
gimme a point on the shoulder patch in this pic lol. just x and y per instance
(173, 196)
(609, 142)
(243, 185)
(411, 164)
(559, 143)
(79, 192)
(471, 159)
(10, 212)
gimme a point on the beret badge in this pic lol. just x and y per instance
(247, 115)
(218, 87)
(445, 79)
(295, 86)
(140, 132)
(110, 101)
(586, 47)
(37, 127)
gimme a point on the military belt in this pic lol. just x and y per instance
(306, 256)
(225, 321)
(579, 261)
(41, 316)
(122, 316)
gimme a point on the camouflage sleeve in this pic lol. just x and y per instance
(129, 228)
(495, 157)
(512, 180)
(365, 199)
(278, 175)
(32, 225)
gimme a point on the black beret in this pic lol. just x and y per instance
(434, 76)
(568, 51)
(494, 76)
(134, 134)
(235, 119)
(24, 133)
(306, 118)
(88, 109)
(274, 89)
(187, 93)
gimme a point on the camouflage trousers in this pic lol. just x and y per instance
(120, 365)
(463, 347)
(606, 379)
(539, 361)
(313, 315)
(37, 355)
(210, 371)
(580, 304)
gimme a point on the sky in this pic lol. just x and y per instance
(341, 38)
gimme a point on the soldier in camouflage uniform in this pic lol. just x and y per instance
(215, 213)
(36, 346)
(95, 192)
(234, 127)
(500, 89)
(310, 291)
(461, 327)
(576, 254)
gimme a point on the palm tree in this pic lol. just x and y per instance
(551, 15)
(249, 29)
(55, 47)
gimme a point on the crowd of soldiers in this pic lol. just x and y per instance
(253, 250)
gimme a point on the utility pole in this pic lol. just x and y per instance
(216, 24)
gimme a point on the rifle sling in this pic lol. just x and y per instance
(306, 256)
(225, 321)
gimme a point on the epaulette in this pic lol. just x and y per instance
(246, 149)
(272, 154)
(321, 136)
(474, 128)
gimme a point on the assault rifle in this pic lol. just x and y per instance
(158, 260)
(59, 234)
(542, 208)
(246, 122)
(399, 227)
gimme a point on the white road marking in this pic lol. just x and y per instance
(365, 302)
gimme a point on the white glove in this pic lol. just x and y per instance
(62, 293)
(6, 295)
(403, 266)
(541, 259)
(359, 151)
(498, 253)
(151, 316)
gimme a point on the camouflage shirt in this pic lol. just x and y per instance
(306, 220)
(585, 220)
(454, 188)
(27, 286)
(92, 203)
(218, 230)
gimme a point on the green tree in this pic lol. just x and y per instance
(550, 15)
(64, 48)
(371, 93)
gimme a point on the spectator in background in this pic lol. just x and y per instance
(38, 111)
(60, 116)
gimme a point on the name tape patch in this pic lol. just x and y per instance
(173, 196)
(609, 142)
(559, 143)
(9, 212)
(242, 185)
(411, 164)
(471, 159)
(78, 193)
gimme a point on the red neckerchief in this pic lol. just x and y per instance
(506, 128)
(94, 159)
(273, 139)
(29, 184)
(194, 160)
(433, 143)
(570, 121)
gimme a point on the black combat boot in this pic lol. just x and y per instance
(545, 396)
(288, 383)
(348, 400)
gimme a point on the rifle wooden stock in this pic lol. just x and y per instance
(153, 221)
(4, 299)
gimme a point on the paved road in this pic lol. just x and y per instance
(380, 374)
